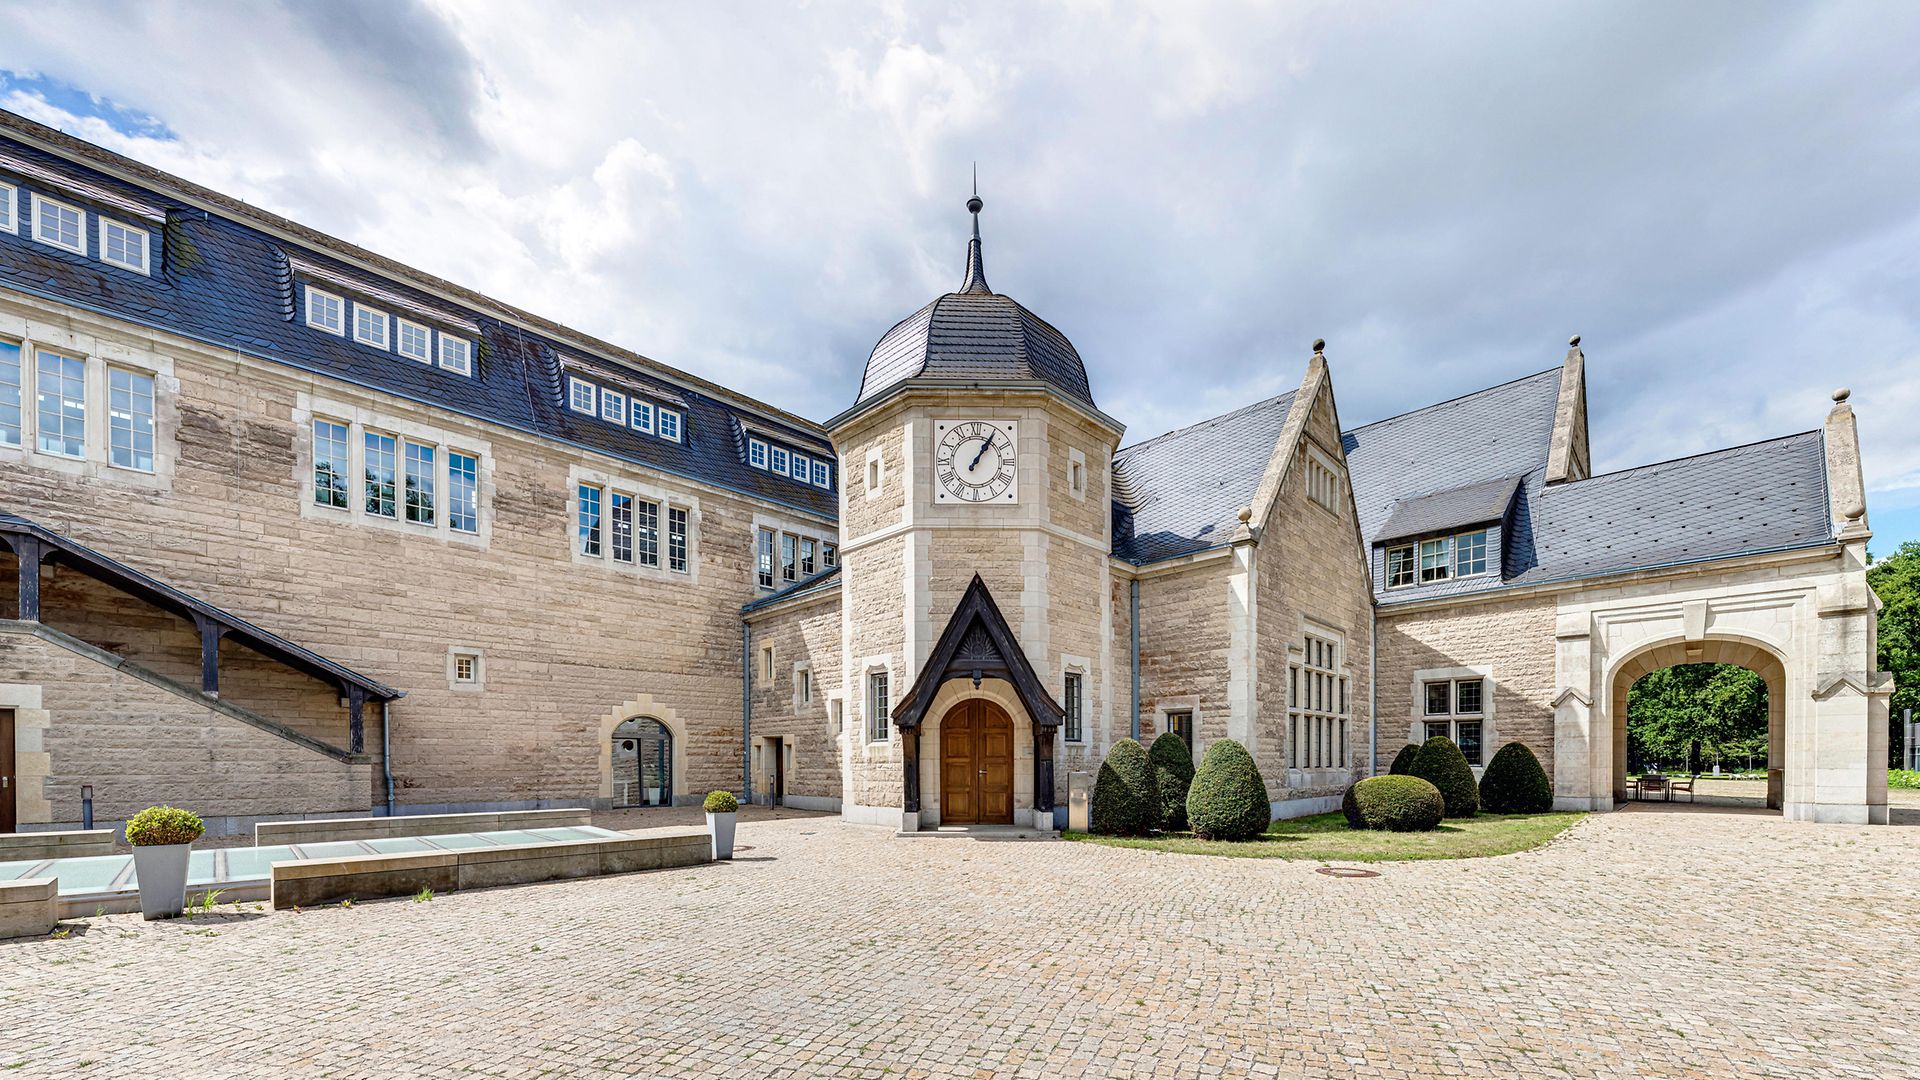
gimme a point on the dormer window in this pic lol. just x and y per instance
(1440, 559)
(642, 419)
(9, 216)
(582, 396)
(756, 453)
(326, 311)
(415, 341)
(1399, 567)
(63, 226)
(777, 459)
(822, 475)
(369, 326)
(456, 354)
(123, 246)
(613, 406)
(799, 466)
(667, 424)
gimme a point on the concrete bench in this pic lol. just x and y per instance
(320, 830)
(29, 908)
(310, 882)
(34, 846)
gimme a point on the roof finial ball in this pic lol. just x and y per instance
(1246, 514)
(1573, 342)
(974, 204)
(1319, 346)
(1841, 395)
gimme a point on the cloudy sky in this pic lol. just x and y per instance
(1724, 200)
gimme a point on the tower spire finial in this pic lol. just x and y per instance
(976, 281)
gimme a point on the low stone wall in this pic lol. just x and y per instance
(268, 833)
(74, 844)
(28, 908)
(366, 877)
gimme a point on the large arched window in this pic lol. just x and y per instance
(642, 763)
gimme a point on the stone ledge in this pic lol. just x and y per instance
(29, 908)
(366, 877)
(269, 833)
(69, 844)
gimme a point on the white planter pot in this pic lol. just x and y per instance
(720, 827)
(161, 871)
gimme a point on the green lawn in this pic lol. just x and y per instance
(1326, 838)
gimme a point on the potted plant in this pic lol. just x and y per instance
(722, 810)
(162, 838)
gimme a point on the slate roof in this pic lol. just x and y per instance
(975, 333)
(229, 279)
(1455, 508)
(1182, 492)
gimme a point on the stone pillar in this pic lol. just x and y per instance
(1582, 735)
(1242, 665)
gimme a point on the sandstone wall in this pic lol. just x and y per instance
(1513, 640)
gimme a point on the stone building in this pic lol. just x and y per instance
(300, 530)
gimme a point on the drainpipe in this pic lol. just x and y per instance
(1373, 688)
(1133, 633)
(746, 712)
(386, 750)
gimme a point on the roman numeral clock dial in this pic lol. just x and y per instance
(975, 461)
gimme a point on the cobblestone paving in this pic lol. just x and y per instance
(1651, 942)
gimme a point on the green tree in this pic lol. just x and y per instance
(1896, 579)
(1691, 712)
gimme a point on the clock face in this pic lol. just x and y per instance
(974, 461)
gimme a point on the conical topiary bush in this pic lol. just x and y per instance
(1124, 800)
(1172, 776)
(1441, 764)
(1514, 783)
(1228, 800)
(1403, 761)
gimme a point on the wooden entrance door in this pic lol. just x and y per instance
(9, 783)
(976, 765)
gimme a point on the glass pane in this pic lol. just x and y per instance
(1438, 703)
(1467, 697)
(1469, 740)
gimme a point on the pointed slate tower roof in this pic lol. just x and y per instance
(976, 334)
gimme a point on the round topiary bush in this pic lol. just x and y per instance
(1441, 764)
(1124, 800)
(1394, 803)
(1514, 783)
(1228, 799)
(1403, 761)
(721, 802)
(1172, 777)
(161, 825)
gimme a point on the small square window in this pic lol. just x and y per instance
(123, 246)
(777, 457)
(416, 341)
(326, 311)
(63, 226)
(1466, 697)
(756, 453)
(822, 475)
(642, 416)
(800, 466)
(613, 406)
(668, 424)
(466, 668)
(1439, 698)
(369, 326)
(582, 396)
(456, 354)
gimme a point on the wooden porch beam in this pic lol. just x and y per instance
(356, 724)
(210, 634)
(31, 552)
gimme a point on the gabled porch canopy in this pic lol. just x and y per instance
(978, 644)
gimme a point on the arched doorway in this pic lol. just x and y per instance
(976, 764)
(1759, 659)
(642, 764)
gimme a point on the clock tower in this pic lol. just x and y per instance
(977, 604)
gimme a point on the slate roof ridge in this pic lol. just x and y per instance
(1456, 399)
(1617, 473)
(1198, 424)
(63, 144)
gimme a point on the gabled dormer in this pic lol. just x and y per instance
(1448, 540)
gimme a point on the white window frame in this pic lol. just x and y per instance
(757, 453)
(1319, 701)
(878, 719)
(583, 397)
(16, 433)
(454, 512)
(11, 195)
(146, 246)
(401, 327)
(40, 425)
(660, 424)
(641, 415)
(79, 246)
(1486, 553)
(476, 680)
(613, 406)
(456, 354)
(822, 474)
(1443, 565)
(799, 466)
(383, 342)
(340, 311)
(1412, 566)
(115, 425)
(777, 457)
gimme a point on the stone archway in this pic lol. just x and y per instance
(645, 707)
(1753, 656)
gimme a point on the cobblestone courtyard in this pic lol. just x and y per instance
(1650, 942)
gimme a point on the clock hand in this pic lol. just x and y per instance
(984, 443)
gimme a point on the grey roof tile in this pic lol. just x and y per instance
(1454, 508)
(1182, 492)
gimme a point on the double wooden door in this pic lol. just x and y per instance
(976, 765)
(8, 781)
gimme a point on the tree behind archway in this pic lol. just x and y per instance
(1695, 713)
